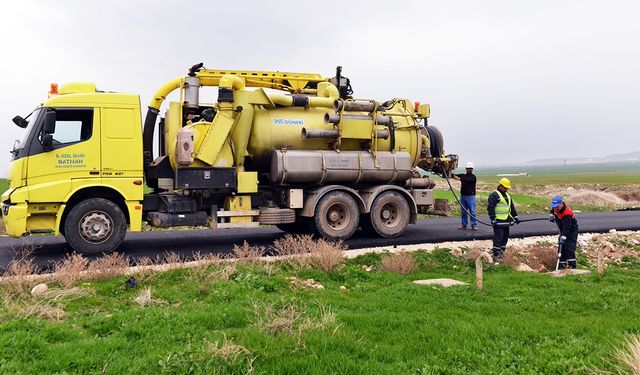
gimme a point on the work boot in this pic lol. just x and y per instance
(462, 227)
(473, 227)
(497, 254)
(572, 264)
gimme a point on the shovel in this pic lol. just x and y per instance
(559, 255)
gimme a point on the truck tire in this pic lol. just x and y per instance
(273, 215)
(389, 215)
(436, 141)
(95, 226)
(337, 216)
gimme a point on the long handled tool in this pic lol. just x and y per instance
(559, 254)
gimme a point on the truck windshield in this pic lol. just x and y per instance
(33, 116)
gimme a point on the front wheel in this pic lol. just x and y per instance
(336, 216)
(95, 226)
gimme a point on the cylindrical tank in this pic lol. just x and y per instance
(281, 128)
(328, 166)
(191, 92)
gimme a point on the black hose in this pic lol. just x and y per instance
(473, 216)
(460, 204)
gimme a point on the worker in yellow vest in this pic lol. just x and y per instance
(502, 213)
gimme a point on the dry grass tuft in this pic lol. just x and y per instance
(145, 274)
(540, 256)
(546, 256)
(326, 256)
(44, 310)
(108, 265)
(276, 320)
(71, 269)
(144, 299)
(232, 353)
(49, 306)
(247, 254)
(172, 257)
(18, 280)
(629, 356)
(291, 319)
(302, 252)
(512, 257)
(224, 272)
(207, 258)
(295, 248)
(206, 266)
(401, 262)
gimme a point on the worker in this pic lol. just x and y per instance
(563, 216)
(502, 213)
(467, 196)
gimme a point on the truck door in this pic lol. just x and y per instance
(121, 142)
(74, 154)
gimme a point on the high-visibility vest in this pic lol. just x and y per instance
(503, 207)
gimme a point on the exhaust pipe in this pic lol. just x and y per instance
(319, 133)
(334, 133)
(353, 106)
(334, 118)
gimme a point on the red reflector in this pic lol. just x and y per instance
(416, 106)
(54, 88)
(137, 182)
(138, 207)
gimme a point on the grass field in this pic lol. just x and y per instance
(381, 324)
(525, 204)
(627, 173)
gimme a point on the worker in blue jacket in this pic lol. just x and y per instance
(564, 217)
(502, 213)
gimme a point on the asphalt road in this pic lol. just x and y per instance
(49, 249)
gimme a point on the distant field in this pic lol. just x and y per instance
(4, 185)
(628, 173)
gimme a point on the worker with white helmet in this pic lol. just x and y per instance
(502, 213)
(467, 197)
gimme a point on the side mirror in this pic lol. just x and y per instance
(49, 126)
(47, 142)
(18, 120)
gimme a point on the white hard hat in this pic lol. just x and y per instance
(469, 165)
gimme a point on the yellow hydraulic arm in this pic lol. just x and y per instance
(231, 79)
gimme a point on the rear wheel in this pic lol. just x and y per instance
(336, 216)
(389, 215)
(95, 226)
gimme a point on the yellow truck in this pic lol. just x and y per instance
(296, 151)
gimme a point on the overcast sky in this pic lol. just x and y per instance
(508, 81)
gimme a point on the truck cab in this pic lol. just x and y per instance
(78, 169)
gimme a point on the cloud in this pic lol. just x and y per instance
(505, 79)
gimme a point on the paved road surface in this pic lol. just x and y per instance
(51, 249)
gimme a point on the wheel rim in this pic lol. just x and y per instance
(338, 216)
(389, 215)
(95, 227)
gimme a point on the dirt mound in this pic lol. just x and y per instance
(593, 198)
(599, 195)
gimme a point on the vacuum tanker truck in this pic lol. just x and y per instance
(294, 150)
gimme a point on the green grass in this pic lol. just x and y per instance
(525, 204)
(4, 185)
(626, 173)
(520, 323)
